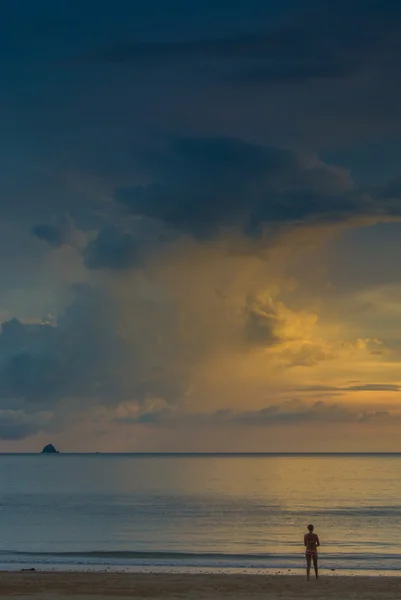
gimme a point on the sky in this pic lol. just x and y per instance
(200, 225)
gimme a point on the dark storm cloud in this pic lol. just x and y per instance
(98, 110)
(201, 185)
(326, 40)
(286, 55)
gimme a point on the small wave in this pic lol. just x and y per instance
(199, 556)
(123, 554)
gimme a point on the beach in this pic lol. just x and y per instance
(205, 587)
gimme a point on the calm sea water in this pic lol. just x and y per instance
(199, 512)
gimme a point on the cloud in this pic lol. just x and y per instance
(16, 425)
(117, 340)
(210, 187)
(256, 58)
(113, 249)
(374, 387)
(198, 293)
(368, 387)
(202, 186)
(218, 189)
(315, 44)
(155, 333)
(78, 357)
(209, 286)
(62, 232)
(286, 335)
(296, 412)
(288, 413)
(261, 321)
(126, 245)
(198, 297)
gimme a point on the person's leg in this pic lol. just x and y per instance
(308, 564)
(315, 565)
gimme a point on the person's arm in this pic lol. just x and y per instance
(305, 543)
(317, 541)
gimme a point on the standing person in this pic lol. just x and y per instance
(311, 541)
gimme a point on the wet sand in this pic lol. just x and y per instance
(82, 586)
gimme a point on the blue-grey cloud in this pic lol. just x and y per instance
(296, 412)
(127, 244)
(329, 42)
(288, 413)
(48, 233)
(369, 387)
(113, 249)
(16, 425)
(59, 233)
(271, 57)
(80, 356)
(87, 355)
(201, 185)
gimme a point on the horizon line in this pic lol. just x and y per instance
(219, 453)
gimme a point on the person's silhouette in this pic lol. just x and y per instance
(311, 542)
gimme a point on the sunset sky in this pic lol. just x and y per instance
(200, 225)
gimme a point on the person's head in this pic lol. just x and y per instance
(310, 528)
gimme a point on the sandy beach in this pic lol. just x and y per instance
(205, 587)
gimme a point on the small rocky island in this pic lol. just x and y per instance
(50, 449)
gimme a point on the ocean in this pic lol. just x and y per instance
(233, 513)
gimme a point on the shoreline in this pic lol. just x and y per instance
(367, 564)
(190, 571)
(172, 586)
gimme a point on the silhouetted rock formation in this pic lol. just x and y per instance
(50, 449)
